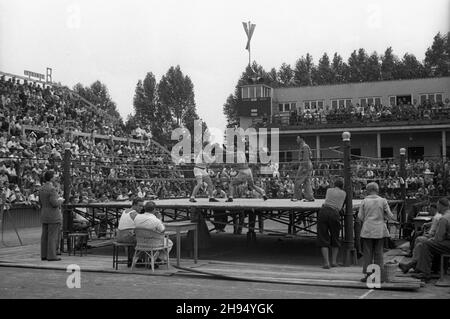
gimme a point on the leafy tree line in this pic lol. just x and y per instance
(163, 106)
(360, 67)
(159, 107)
(97, 93)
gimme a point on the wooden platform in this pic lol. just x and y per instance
(246, 204)
(310, 275)
(343, 277)
(237, 204)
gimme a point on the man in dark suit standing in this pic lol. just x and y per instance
(51, 217)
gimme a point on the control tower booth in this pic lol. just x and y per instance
(254, 106)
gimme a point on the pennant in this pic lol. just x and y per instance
(249, 29)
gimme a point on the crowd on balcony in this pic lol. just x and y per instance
(370, 113)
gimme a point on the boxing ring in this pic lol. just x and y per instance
(297, 216)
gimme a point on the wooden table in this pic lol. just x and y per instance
(178, 227)
(419, 221)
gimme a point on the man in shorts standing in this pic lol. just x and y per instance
(201, 175)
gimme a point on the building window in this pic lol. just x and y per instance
(416, 153)
(387, 152)
(341, 103)
(431, 97)
(372, 100)
(285, 107)
(334, 104)
(423, 98)
(355, 153)
(293, 106)
(313, 105)
(252, 92)
(245, 92)
(258, 91)
(392, 100)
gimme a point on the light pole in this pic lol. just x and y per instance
(348, 216)
(67, 220)
(402, 188)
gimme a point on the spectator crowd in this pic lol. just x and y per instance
(38, 123)
(371, 113)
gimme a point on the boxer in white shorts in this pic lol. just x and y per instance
(202, 176)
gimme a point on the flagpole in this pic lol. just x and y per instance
(249, 57)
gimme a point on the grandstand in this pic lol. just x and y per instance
(38, 118)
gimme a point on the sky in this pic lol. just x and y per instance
(118, 42)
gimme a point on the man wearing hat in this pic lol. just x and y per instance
(51, 217)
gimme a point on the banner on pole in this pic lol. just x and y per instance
(249, 29)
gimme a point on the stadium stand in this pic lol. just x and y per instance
(36, 120)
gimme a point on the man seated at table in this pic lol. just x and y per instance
(151, 220)
(428, 229)
(125, 230)
(426, 251)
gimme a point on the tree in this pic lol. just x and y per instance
(273, 78)
(303, 71)
(139, 104)
(373, 68)
(388, 65)
(362, 60)
(410, 68)
(355, 74)
(97, 94)
(324, 71)
(437, 59)
(337, 69)
(130, 123)
(447, 45)
(286, 75)
(230, 109)
(176, 94)
(150, 96)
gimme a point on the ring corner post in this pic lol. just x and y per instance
(348, 216)
(67, 220)
(402, 212)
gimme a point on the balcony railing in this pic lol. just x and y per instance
(341, 120)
